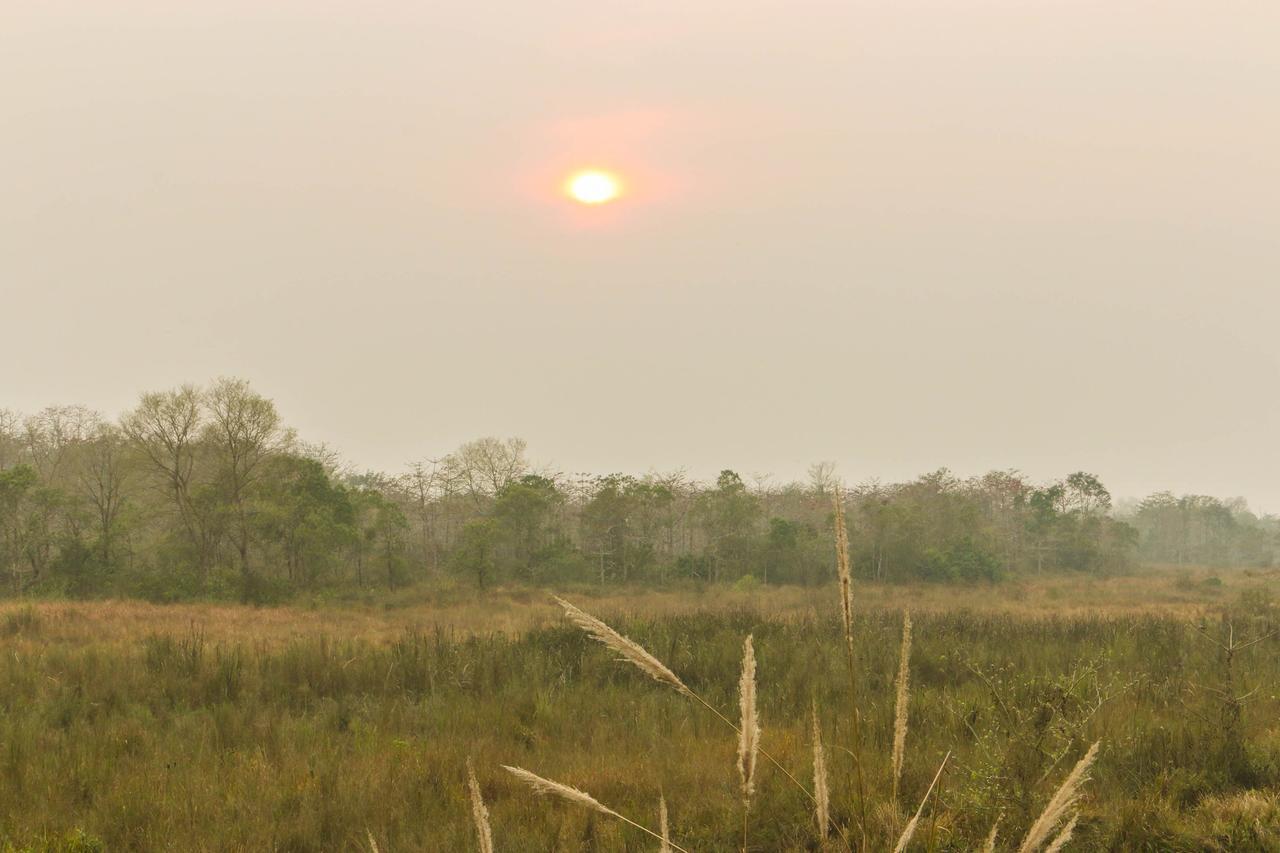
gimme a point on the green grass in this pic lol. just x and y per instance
(176, 742)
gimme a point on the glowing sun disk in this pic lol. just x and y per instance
(593, 187)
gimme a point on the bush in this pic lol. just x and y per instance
(963, 561)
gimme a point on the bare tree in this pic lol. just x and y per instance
(424, 485)
(53, 435)
(488, 465)
(165, 428)
(103, 475)
(10, 438)
(822, 477)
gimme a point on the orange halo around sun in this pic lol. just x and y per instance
(593, 186)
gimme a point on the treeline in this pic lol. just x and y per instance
(205, 492)
(1202, 530)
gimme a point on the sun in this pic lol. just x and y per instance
(593, 187)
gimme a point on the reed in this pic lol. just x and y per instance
(627, 649)
(479, 812)
(821, 793)
(910, 830)
(549, 788)
(1064, 836)
(1060, 804)
(748, 732)
(903, 692)
(844, 573)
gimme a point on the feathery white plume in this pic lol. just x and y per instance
(900, 710)
(547, 787)
(843, 569)
(821, 793)
(1064, 836)
(989, 846)
(749, 729)
(479, 812)
(628, 650)
(1060, 804)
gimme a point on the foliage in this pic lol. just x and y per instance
(203, 492)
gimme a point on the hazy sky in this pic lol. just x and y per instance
(900, 235)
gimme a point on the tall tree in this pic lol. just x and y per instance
(243, 431)
(104, 473)
(165, 428)
(16, 485)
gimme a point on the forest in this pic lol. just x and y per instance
(204, 492)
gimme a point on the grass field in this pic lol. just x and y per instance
(126, 726)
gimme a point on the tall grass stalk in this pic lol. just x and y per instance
(479, 812)
(989, 846)
(900, 710)
(546, 787)
(1064, 836)
(844, 572)
(821, 793)
(910, 830)
(628, 650)
(1060, 804)
(748, 733)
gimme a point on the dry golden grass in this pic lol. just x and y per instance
(310, 728)
(514, 611)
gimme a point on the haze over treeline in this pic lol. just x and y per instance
(205, 491)
(896, 235)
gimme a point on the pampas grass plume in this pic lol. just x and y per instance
(1062, 802)
(627, 650)
(479, 812)
(821, 793)
(900, 711)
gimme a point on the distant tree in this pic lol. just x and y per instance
(474, 553)
(308, 516)
(488, 465)
(425, 486)
(104, 475)
(243, 431)
(1043, 521)
(52, 437)
(729, 513)
(524, 511)
(822, 478)
(381, 530)
(606, 524)
(11, 452)
(16, 486)
(1084, 493)
(165, 428)
(782, 550)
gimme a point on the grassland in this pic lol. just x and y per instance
(126, 726)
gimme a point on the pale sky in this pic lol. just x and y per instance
(1039, 234)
